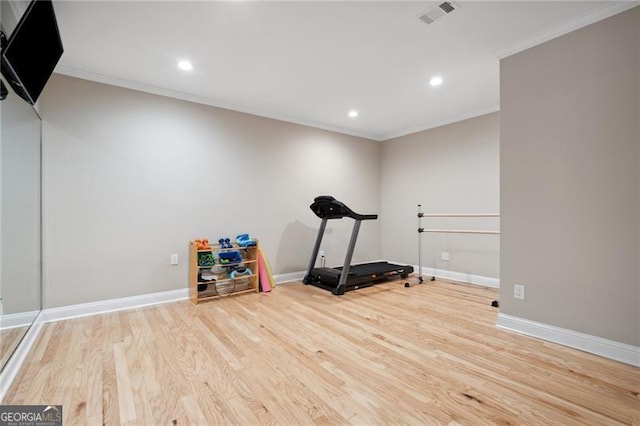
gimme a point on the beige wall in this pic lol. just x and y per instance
(449, 169)
(130, 178)
(570, 198)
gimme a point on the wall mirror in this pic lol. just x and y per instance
(20, 221)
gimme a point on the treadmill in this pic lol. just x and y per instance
(347, 277)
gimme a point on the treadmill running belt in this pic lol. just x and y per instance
(374, 268)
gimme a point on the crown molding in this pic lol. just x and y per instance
(449, 120)
(606, 11)
(154, 90)
(203, 100)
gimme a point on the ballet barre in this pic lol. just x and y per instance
(458, 231)
(458, 214)
(422, 230)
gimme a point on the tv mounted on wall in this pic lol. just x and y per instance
(32, 51)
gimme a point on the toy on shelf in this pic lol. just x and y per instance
(206, 258)
(239, 271)
(228, 257)
(202, 244)
(225, 243)
(243, 240)
(207, 276)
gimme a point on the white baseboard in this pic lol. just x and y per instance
(10, 370)
(585, 342)
(21, 319)
(460, 276)
(287, 278)
(104, 306)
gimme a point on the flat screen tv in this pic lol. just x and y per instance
(32, 51)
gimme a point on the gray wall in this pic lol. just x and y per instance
(12, 10)
(449, 169)
(20, 206)
(570, 193)
(129, 178)
(20, 283)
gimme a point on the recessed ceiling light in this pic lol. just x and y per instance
(185, 65)
(353, 113)
(435, 80)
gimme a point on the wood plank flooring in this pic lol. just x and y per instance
(428, 354)
(9, 339)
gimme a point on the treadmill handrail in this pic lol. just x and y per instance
(327, 207)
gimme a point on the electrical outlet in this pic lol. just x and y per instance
(321, 253)
(174, 259)
(518, 291)
(444, 256)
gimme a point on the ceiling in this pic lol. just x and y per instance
(311, 62)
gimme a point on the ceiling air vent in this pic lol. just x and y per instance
(437, 12)
(446, 7)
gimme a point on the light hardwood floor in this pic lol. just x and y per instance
(9, 340)
(429, 354)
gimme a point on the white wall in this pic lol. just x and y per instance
(449, 169)
(570, 186)
(130, 178)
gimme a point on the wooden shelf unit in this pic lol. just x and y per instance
(223, 285)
